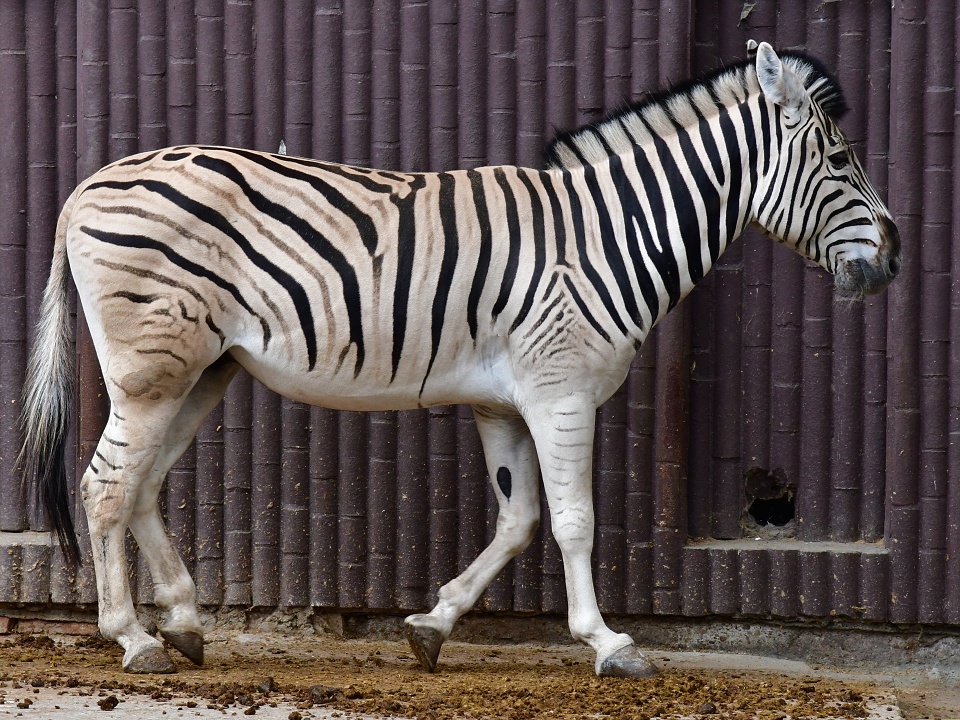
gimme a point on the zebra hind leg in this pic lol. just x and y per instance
(174, 590)
(123, 462)
(512, 463)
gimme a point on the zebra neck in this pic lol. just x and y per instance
(672, 211)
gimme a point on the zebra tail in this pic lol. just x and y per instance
(48, 398)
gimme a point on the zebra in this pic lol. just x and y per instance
(522, 292)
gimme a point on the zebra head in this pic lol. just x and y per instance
(814, 195)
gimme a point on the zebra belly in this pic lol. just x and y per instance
(470, 383)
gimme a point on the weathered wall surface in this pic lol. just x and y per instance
(763, 377)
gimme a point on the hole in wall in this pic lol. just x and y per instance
(769, 508)
(778, 511)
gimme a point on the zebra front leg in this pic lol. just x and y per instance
(564, 438)
(174, 591)
(512, 463)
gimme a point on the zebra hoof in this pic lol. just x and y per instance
(425, 643)
(627, 662)
(189, 643)
(152, 659)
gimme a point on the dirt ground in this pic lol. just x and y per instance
(245, 672)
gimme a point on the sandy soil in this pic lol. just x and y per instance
(382, 678)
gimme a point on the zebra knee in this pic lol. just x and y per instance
(105, 498)
(517, 527)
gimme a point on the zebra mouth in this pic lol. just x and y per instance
(862, 278)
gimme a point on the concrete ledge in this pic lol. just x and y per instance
(11, 539)
(860, 548)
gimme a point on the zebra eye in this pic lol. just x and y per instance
(839, 159)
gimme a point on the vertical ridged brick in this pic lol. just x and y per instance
(501, 120)
(442, 470)
(531, 28)
(152, 62)
(694, 591)
(783, 583)
(814, 583)
(939, 232)
(382, 510)
(952, 574)
(385, 86)
(210, 71)
(413, 532)
(471, 489)
(754, 576)
(328, 26)
(903, 439)
(15, 111)
(723, 582)
(11, 573)
(294, 502)
(672, 376)
(352, 510)
(638, 523)
(324, 465)
(472, 84)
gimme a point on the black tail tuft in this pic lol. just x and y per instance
(54, 495)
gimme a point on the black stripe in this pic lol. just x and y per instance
(545, 313)
(145, 243)
(483, 259)
(608, 240)
(706, 191)
(539, 241)
(663, 258)
(732, 147)
(162, 351)
(213, 326)
(632, 211)
(753, 161)
(319, 243)
(406, 250)
(138, 160)
(363, 222)
(216, 220)
(134, 297)
(815, 174)
(559, 229)
(801, 142)
(584, 310)
(106, 462)
(513, 242)
(705, 132)
(685, 210)
(550, 285)
(764, 110)
(827, 199)
(448, 265)
(576, 212)
(361, 176)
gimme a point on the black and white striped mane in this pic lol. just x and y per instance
(663, 111)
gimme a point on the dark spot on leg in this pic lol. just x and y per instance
(505, 481)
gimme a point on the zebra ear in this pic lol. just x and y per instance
(778, 82)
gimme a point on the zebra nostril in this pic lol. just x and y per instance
(894, 265)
